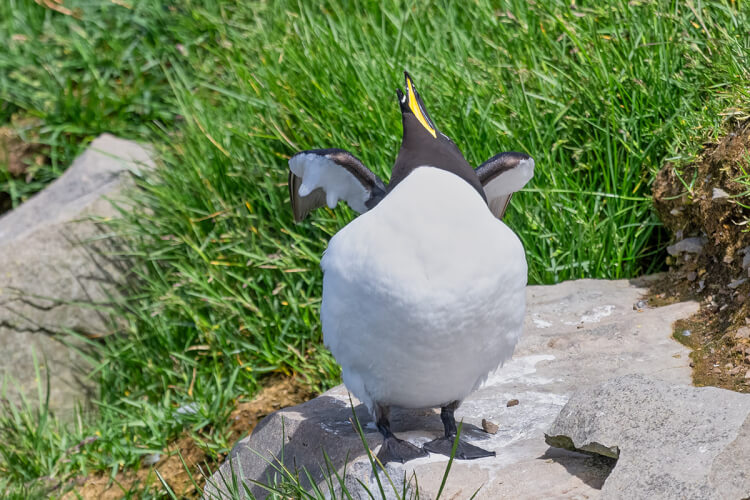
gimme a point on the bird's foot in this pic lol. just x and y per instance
(397, 450)
(464, 450)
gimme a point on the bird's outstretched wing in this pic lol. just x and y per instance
(321, 177)
(501, 176)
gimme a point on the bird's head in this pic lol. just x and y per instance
(423, 144)
(415, 117)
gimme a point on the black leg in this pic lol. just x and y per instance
(449, 421)
(393, 449)
(444, 445)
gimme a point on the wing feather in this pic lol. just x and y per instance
(322, 177)
(501, 176)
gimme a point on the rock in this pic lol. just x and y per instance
(742, 332)
(512, 402)
(746, 258)
(671, 441)
(489, 427)
(51, 271)
(641, 304)
(736, 283)
(576, 333)
(688, 245)
(718, 194)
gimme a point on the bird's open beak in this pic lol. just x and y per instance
(411, 103)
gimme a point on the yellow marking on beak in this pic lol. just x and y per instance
(414, 106)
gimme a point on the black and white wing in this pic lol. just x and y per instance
(320, 177)
(501, 176)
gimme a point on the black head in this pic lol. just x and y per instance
(424, 145)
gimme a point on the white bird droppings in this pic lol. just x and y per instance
(539, 322)
(596, 315)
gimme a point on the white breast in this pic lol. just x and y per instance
(423, 295)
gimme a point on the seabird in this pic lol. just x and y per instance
(424, 292)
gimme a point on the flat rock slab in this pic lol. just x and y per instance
(54, 268)
(577, 333)
(673, 441)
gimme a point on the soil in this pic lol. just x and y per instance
(710, 199)
(19, 158)
(278, 393)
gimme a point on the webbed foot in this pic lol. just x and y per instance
(397, 450)
(444, 445)
(464, 450)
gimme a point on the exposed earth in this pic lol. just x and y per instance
(278, 393)
(706, 206)
(21, 158)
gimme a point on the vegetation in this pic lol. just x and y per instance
(225, 288)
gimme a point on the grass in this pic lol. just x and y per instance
(224, 288)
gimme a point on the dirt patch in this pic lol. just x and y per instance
(19, 159)
(278, 393)
(706, 206)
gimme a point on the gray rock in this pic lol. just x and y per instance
(576, 334)
(54, 267)
(671, 441)
(718, 194)
(736, 283)
(688, 245)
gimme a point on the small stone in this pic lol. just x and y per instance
(747, 375)
(701, 285)
(735, 370)
(689, 245)
(718, 194)
(736, 283)
(717, 370)
(188, 409)
(512, 402)
(675, 212)
(692, 275)
(150, 459)
(742, 332)
(489, 427)
(686, 333)
(641, 304)
(746, 259)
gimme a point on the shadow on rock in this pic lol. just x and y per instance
(591, 469)
(320, 437)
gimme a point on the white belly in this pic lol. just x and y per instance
(423, 296)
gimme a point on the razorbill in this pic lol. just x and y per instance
(424, 292)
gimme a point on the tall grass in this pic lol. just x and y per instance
(224, 288)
